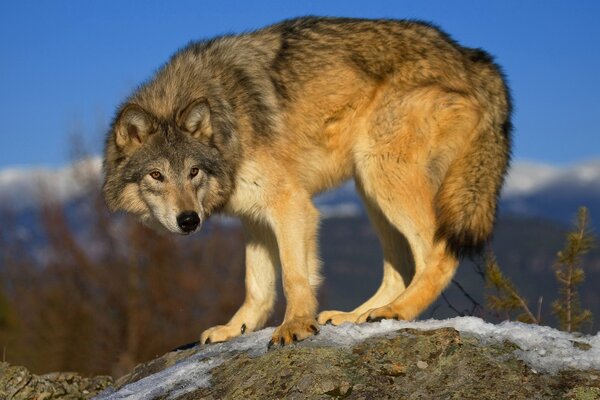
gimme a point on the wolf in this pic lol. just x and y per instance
(254, 125)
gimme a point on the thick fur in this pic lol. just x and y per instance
(272, 117)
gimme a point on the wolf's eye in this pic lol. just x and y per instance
(193, 172)
(156, 175)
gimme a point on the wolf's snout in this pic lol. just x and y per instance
(188, 221)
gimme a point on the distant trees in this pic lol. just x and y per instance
(98, 294)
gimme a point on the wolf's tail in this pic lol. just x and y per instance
(467, 199)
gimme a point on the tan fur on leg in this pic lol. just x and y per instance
(261, 260)
(426, 287)
(295, 222)
(398, 268)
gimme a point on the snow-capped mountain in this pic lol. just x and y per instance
(532, 189)
(526, 178)
(22, 188)
(553, 192)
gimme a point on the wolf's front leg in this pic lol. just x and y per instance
(295, 223)
(261, 259)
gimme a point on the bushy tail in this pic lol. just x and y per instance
(467, 199)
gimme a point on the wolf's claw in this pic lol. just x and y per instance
(378, 314)
(295, 330)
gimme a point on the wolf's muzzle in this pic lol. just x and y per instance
(188, 221)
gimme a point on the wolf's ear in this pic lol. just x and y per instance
(195, 119)
(132, 128)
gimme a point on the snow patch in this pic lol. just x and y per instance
(543, 348)
(191, 373)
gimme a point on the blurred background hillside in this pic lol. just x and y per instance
(86, 291)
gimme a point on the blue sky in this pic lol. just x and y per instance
(66, 65)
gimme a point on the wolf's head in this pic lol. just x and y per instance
(170, 172)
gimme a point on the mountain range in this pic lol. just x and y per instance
(531, 189)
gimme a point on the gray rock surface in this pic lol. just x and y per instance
(407, 364)
(17, 383)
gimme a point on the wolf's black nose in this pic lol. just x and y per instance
(188, 221)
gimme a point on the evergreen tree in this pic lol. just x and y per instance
(569, 275)
(507, 297)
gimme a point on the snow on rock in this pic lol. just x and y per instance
(543, 348)
(193, 372)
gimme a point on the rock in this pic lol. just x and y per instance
(408, 363)
(581, 346)
(369, 361)
(17, 383)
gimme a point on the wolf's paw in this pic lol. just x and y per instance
(336, 317)
(377, 314)
(294, 330)
(222, 333)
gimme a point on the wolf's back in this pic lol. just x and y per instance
(466, 202)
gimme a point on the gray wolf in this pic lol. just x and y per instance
(254, 125)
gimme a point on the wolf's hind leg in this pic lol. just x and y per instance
(404, 198)
(398, 267)
(411, 143)
(440, 268)
(401, 166)
(261, 261)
